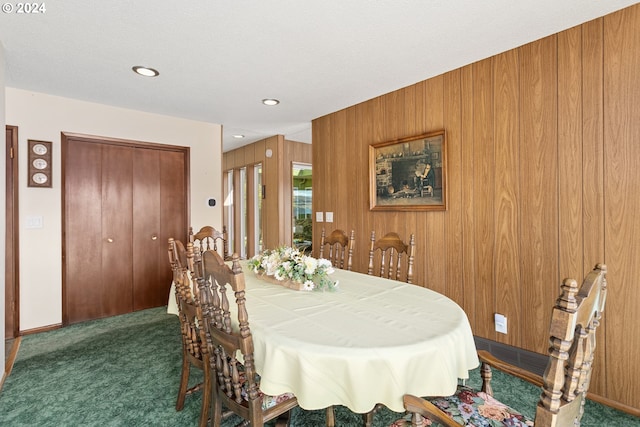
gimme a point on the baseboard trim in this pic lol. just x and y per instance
(613, 404)
(8, 365)
(41, 329)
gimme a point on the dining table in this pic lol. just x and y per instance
(368, 342)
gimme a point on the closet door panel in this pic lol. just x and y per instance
(174, 199)
(117, 228)
(82, 293)
(174, 196)
(147, 244)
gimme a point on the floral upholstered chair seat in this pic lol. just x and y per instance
(470, 408)
(268, 401)
(271, 401)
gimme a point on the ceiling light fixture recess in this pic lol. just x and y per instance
(239, 136)
(145, 71)
(270, 101)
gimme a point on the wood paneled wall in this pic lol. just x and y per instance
(277, 217)
(543, 147)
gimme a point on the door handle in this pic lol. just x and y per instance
(154, 237)
(110, 240)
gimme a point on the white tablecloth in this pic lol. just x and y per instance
(369, 342)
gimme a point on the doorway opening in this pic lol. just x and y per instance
(302, 206)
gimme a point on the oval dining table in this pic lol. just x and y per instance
(369, 342)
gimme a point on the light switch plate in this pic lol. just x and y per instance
(319, 216)
(34, 221)
(328, 216)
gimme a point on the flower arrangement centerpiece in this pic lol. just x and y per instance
(291, 268)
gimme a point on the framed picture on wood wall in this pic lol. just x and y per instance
(409, 174)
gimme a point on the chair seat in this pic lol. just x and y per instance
(271, 401)
(268, 401)
(473, 408)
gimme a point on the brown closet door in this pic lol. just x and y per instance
(159, 212)
(174, 200)
(122, 203)
(117, 229)
(83, 233)
(147, 244)
(98, 198)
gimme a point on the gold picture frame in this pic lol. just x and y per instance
(409, 174)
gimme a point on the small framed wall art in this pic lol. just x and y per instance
(40, 168)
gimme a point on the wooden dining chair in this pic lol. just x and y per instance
(177, 255)
(339, 248)
(208, 238)
(194, 352)
(390, 257)
(235, 383)
(572, 338)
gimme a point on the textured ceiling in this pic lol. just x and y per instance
(219, 59)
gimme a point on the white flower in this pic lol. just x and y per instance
(289, 253)
(324, 263)
(309, 285)
(311, 264)
(270, 267)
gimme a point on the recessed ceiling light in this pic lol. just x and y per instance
(270, 101)
(238, 136)
(145, 71)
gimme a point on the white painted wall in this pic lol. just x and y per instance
(43, 117)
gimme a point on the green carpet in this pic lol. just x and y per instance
(124, 371)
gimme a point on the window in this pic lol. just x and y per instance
(242, 238)
(228, 210)
(243, 210)
(302, 206)
(257, 217)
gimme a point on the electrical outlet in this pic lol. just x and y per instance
(501, 323)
